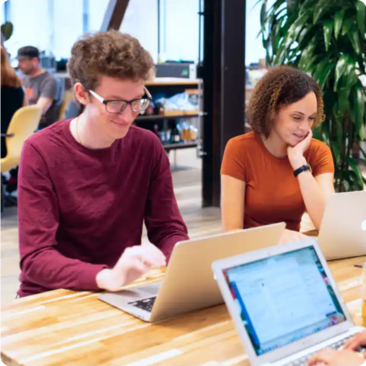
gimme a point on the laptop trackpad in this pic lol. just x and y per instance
(141, 292)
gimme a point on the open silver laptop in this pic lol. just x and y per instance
(284, 303)
(188, 283)
(343, 230)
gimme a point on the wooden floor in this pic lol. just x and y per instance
(187, 186)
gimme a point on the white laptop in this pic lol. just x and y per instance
(284, 303)
(343, 230)
(188, 283)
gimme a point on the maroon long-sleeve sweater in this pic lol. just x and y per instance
(80, 208)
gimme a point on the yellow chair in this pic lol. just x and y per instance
(68, 97)
(23, 124)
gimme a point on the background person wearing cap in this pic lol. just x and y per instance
(42, 88)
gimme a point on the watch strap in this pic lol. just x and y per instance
(303, 168)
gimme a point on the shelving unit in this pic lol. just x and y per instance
(162, 117)
(172, 86)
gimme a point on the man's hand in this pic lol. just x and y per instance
(134, 262)
(336, 358)
(357, 341)
(289, 236)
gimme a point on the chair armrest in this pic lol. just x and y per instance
(7, 135)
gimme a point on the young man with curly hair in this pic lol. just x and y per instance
(278, 171)
(86, 185)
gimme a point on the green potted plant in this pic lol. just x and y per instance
(327, 39)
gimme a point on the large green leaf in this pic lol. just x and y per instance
(325, 74)
(263, 12)
(298, 25)
(338, 20)
(359, 98)
(343, 101)
(328, 29)
(307, 54)
(349, 77)
(361, 10)
(353, 164)
(355, 39)
(321, 7)
(347, 24)
(340, 69)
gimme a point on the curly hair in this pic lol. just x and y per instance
(112, 54)
(281, 85)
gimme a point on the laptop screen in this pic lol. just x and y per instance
(283, 298)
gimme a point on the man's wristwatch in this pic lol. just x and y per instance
(303, 168)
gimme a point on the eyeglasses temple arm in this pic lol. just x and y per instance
(147, 93)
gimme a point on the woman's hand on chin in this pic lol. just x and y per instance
(296, 153)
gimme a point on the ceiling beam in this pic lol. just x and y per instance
(114, 14)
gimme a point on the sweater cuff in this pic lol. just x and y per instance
(167, 244)
(87, 280)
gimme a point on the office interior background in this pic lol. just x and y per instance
(173, 31)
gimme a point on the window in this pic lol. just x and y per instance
(31, 25)
(96, 13)
(180, 21)
(254, 49)
(67, 26)
(2, 15)
(141, 21)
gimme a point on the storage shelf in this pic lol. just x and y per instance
(161, 117)
(182, 145)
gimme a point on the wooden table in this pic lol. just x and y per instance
(75, 328)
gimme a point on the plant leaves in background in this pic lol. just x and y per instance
(355, 39)
(359, 110)
(321, 7)
(340, 69)
(347, 24)
(328, 29)
(338, 20)
(361, 10)
(353, 164)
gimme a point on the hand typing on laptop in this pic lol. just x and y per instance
(348, 356)
(133, 263)
(289, 236)
(331, 357)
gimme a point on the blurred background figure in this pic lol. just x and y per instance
(12, 96)
(42, 88)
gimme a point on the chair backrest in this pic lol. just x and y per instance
(67, 98)
(24, 123)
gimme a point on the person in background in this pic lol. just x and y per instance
(278, 171)
(345, 357)
(87, 185)
(12, 96)
(42, 88)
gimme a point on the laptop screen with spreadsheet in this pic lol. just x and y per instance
(283, 298)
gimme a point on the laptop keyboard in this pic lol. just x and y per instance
(303, 360)
(144, 304)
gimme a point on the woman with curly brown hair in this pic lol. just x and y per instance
(278, 171)
(86, 185)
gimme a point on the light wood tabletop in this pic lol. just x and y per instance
(75, 328)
